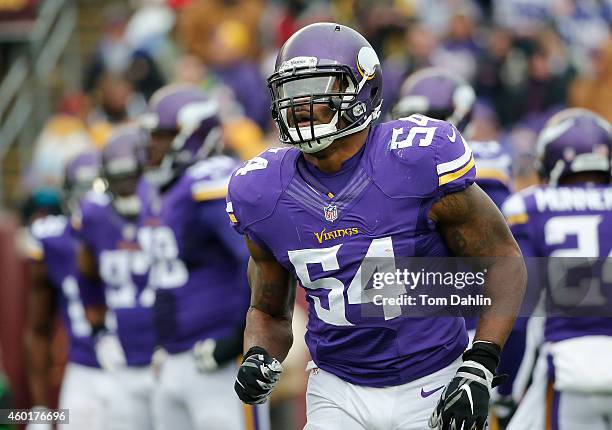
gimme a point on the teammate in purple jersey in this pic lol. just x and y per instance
(440, 94)
(114, 262)
(348, 190)
(198, 265)
(569, 216)
(52, 267)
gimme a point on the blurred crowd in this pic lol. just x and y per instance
(527, 59)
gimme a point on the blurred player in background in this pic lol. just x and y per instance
(113, 264)
(52, 267)
(569, 216)
(402, 189)
(199, 265)
(440, 94)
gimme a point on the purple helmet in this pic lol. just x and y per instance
(573, 141)
(437, 93)
(190, 119)
(122, 161)
(325, 64)
(80, 174)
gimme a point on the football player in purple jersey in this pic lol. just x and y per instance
(52, 268)
(440, 94)
(114, 264)
(345, 190)
(198, 265)
(569, 216)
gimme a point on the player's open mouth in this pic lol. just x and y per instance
(303, 119)
(307, 123)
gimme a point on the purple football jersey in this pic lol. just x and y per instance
(564, 222)
(494, 170)
(198, 261)
(51, 241)
(124, 269)
(323, 238)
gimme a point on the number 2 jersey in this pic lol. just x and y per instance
(322, 238)
(52, 242)
(199, 263)
(123, 265)
(565, 222)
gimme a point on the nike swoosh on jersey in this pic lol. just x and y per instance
(453, 137)
(425, 394)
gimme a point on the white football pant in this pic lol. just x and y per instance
(187, 399)
(86, 393)
(332, 403)
(131, 403)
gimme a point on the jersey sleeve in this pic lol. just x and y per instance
(454, 161)
(253, 192)
(83, 224)
(39, 232)
(517, 216)
(33, 246)
(213, 217)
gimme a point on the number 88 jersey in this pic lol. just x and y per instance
(322, 238)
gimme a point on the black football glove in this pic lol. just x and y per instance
(257, 376)
(464, 404)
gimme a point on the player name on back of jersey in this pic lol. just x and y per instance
(573, 199)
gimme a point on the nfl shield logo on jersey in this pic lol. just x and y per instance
(331, 213)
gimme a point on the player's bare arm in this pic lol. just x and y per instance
(268, 334)
(39, 327)
(472, 226)
(272, 298)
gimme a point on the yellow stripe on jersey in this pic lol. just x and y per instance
(233, 218)
(210, 194)
(489, 173)
(517, 219)
(449, 177)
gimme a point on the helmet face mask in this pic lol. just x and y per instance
(301, 100)
(327, 84)
(184, 127)
(122, 166)
(80, 174)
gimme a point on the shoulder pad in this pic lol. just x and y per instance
(49, 226)
(42, 230)
(519, 206)
(420, 156)
(210, 177)
(257, 184)
(96, 198)
(493, 162)
(92, 207)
